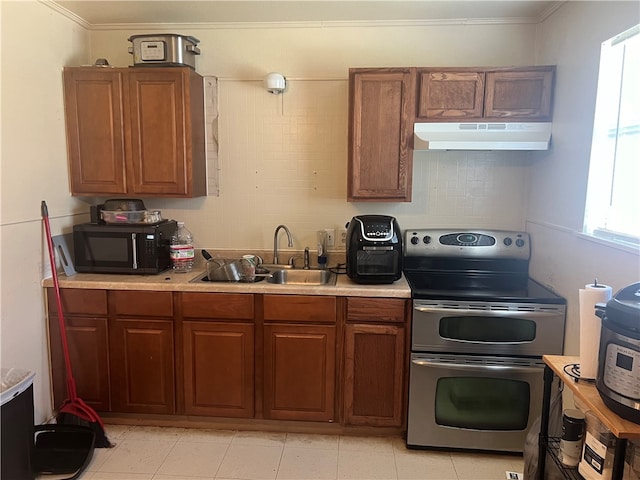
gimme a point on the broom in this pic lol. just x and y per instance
(74, 411)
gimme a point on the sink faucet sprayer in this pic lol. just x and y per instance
(275, 242)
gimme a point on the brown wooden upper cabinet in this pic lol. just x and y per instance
(381, 115)
(501, 94)
(135, 131)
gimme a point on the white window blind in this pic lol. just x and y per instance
(613, 195)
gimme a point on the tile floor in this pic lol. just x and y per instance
(156, 453)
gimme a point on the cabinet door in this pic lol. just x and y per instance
(142, 365)
(374, 375)
(93, 100)
(382, 110)
(520, 94)
(218, 369)
(88, 343)
(299, 372)
(161, 160)
(450, 95)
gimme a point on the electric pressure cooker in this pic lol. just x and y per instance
(618, 379)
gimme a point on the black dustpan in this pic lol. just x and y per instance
(62, 449)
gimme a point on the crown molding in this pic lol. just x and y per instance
(317, 24)
(66, 13)
(550, 11)
(301, 24)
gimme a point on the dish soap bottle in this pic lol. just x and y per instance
(322, 249)
(182, 251)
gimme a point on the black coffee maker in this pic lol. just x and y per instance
(374, 249)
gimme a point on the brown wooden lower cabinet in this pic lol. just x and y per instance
(218, 368)
(88, 342)
(299, 372)
(374, 375)
(85, 315)
(275, 357)
(142, 365)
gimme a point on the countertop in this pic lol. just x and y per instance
(181, 282)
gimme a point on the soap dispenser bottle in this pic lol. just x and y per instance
(322, 248)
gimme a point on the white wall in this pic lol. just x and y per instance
(36, 43)
(571, 39)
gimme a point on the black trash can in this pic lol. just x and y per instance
(16, 418)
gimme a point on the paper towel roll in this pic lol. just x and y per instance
(590, 327)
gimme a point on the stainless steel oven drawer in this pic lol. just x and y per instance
(488, 328)
(472, 402)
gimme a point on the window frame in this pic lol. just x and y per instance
(597, 188)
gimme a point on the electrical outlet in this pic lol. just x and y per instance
(342, 238)
(331, 237)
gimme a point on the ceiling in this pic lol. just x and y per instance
(118, 12)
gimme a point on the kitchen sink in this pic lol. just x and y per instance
(302, 277)
(286, 276)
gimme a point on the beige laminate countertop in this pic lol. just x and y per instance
(180, 282)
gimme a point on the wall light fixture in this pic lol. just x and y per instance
(275, 83)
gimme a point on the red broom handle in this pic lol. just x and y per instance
(71, 384)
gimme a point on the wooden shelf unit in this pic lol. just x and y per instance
(588, 394)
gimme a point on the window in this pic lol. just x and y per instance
(613, 195)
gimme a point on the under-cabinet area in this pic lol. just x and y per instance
(242, 356)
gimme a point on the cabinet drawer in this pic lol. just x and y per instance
(143, 304)
(217, 305)
(299, 308)
(382, 310)
(79, 301)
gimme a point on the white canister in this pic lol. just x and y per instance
(573, 428)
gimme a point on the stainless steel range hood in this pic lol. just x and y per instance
(482, 136)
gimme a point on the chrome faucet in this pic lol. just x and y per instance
(275, 242)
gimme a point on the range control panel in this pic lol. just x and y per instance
(467, 243)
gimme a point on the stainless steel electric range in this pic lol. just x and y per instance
(480, 327)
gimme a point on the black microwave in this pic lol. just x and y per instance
(133, 248)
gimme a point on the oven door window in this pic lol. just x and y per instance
(473, 328)
(482, 403)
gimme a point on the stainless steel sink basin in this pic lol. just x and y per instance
(302, 277)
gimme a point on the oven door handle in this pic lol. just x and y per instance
(466, 311)
(465, 366)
